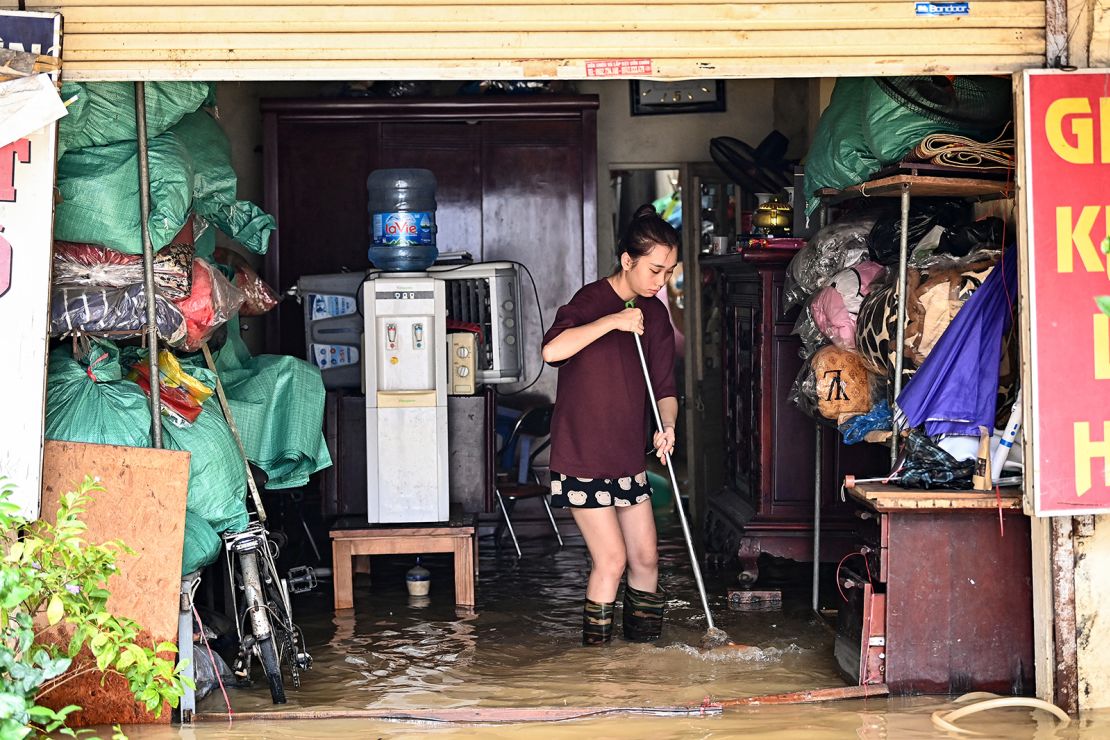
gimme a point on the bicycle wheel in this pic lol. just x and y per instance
(258, 617)
(272, 667)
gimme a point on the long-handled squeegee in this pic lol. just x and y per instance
(714, 637)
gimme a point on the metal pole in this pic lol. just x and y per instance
(148, 267)
(900, 334)
(817, 517)
(674, 488)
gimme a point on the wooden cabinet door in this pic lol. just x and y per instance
(532, 212)
(316, 190)
(451, 150)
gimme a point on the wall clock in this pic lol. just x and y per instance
(650, 97)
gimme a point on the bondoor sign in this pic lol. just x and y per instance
(1067, 202)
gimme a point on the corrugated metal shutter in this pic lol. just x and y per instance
(491, 39)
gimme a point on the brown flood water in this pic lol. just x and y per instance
(522, 650)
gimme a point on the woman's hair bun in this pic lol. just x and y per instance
(647, 210)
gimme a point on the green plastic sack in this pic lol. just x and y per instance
(277, 402)
(839, 155)
(205, 244)
(100, 194)
(891, 130)
(202, 544)
(215, 184)
(217, 478)
(864, 129)
(104, 112)
(104, 410)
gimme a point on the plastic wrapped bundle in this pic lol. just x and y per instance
(278, 404)
(259, 297)
(840, 245)
(833, 384)
(835, 307)
(812, 338)
(89, 265)
(87, 400)
(925, 215)
(95, 310)
(211, 303)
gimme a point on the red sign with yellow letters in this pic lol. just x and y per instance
(1067, 212)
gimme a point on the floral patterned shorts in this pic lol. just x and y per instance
(597, 493)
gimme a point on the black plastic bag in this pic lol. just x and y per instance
(962, 240)
(924, 465)
(925, 214)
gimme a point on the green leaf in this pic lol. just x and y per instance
(42, 714)
(1103, 302)
(56, 610)
(16, 596)
(1105, 245)
(124, 660)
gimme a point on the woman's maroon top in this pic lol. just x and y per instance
(598, 428)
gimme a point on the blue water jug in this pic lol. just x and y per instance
(402, 205)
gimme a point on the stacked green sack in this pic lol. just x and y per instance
(190, 169)
(277, 402)
(103, 113)
(100, 194)
(91, 401)
(215, 185)
(202, 544)
(864, 128)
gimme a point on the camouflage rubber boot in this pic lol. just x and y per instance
(597, 622)
(643, 614)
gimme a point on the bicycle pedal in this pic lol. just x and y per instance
(301, 579)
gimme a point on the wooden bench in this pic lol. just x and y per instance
(349, 544)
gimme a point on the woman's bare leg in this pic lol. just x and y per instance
(606, 545)
(637, 524)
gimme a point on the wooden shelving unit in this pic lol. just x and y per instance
(892, 498)
(921, 186)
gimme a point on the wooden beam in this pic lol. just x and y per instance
(79, 69)
(450, 17)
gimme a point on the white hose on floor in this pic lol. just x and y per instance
(946, 721)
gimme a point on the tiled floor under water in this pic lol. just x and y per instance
(522, 649)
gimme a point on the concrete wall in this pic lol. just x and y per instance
(623, 139)
(1092, 616)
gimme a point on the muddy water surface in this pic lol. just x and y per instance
(522, 650)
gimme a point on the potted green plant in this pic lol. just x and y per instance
(53, 582)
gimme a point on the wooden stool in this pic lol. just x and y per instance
(459, 539)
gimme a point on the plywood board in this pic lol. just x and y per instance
(891, 498)
(144, 505)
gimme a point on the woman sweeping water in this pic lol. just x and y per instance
(598, 431)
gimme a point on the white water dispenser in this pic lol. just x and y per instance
(405, 371)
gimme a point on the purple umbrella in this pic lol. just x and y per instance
(955, 389)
